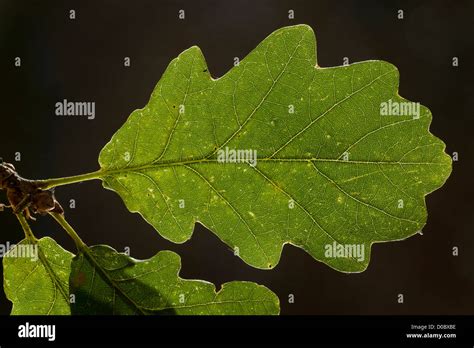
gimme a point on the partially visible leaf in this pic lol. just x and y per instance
(332, 170)
(107, 282)
(37, 283)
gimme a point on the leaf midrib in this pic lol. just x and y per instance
(168, 164)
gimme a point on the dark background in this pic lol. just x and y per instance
(82, 60)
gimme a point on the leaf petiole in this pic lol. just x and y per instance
(26, 229)
(81, 246)
(50, 183)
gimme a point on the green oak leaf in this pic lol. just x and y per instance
(37, 282)
(331, 171)
(107, 282)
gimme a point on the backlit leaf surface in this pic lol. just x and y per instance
(331, 171)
